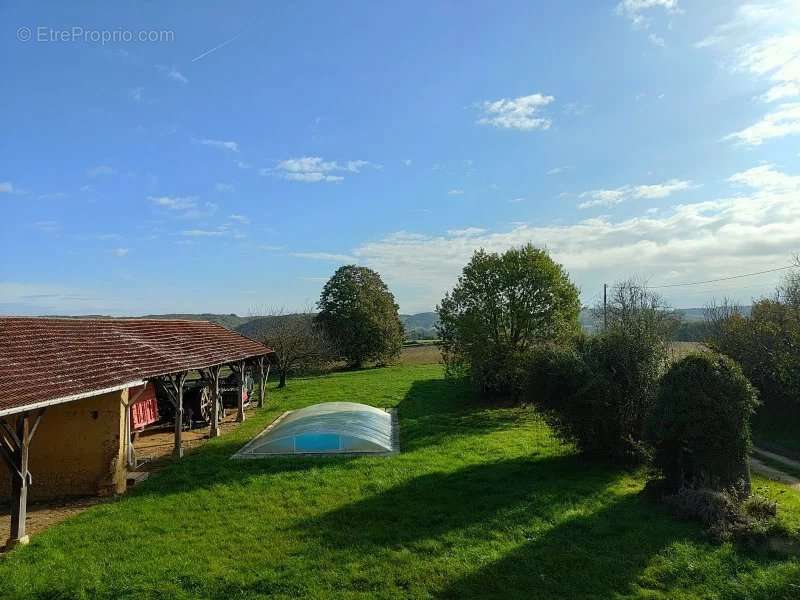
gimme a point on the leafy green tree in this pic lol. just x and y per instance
(503, 305)
(359, 315)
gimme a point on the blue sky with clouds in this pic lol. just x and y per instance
(240, 152)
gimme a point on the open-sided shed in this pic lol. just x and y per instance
(71, 383)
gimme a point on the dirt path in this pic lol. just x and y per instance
(771, 472)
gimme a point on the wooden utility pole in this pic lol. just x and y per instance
(605, 305)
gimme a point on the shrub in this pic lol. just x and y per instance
(502, 306)
(700, 426)
(732, 513)
(598, 394)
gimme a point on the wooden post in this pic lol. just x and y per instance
(261, 381)
(215, 401)
(240, 416)
(177, 383)
(19, 484)
(266, 378)
(15, 447)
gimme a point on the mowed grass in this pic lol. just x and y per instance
(481, 503)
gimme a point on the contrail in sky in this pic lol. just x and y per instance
(215, 48)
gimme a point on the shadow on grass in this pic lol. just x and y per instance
(483, 496)
(599, 555)
(436, 409)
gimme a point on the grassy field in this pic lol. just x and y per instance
(481, 503)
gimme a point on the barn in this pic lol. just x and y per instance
(72, 390)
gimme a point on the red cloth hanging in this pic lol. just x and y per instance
(145, 410)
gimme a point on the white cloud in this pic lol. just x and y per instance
(778, 58)
(172, 73)
(466, 232)
(100, 170)
(313, 169)
(516, 200)
(136, 94)
(783, 121)
(523, 113)
(634, 192)
(174, 202)
(203, 232)
(224, 187)
(37, 299)
(636, 10)
(752, 18)
(220, 144)
(6, 187)
(243, 165)
(556, 170)
(239, 219)
(407, 162)
(121, 252)
(328, 256)
(186, 207)
(697, 241)
(455, 192)
(766, 178)
(639, 12)
(763, 40)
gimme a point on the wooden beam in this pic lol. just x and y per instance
(240, 415)
(177, 382)
(19, 484)
(261, 381)
(213, 377)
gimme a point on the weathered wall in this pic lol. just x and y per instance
(77, 450)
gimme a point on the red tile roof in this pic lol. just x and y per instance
(45, 359)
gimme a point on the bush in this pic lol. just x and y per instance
(598, 394)
(700, 427)
(501, 308)
(732, 513)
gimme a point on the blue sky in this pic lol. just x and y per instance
(240, 152)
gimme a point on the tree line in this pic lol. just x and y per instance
(511, 325)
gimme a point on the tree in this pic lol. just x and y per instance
(360, 316)
(502, 305)
(299, 343)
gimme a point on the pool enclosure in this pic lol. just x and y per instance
(327, 428)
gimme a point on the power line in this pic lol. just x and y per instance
(671, 285)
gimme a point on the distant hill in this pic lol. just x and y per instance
(426, 320)
(419, 326)
(230, 321)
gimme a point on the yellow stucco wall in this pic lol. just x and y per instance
(78, 449)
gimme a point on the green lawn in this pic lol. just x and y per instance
(481, 503)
